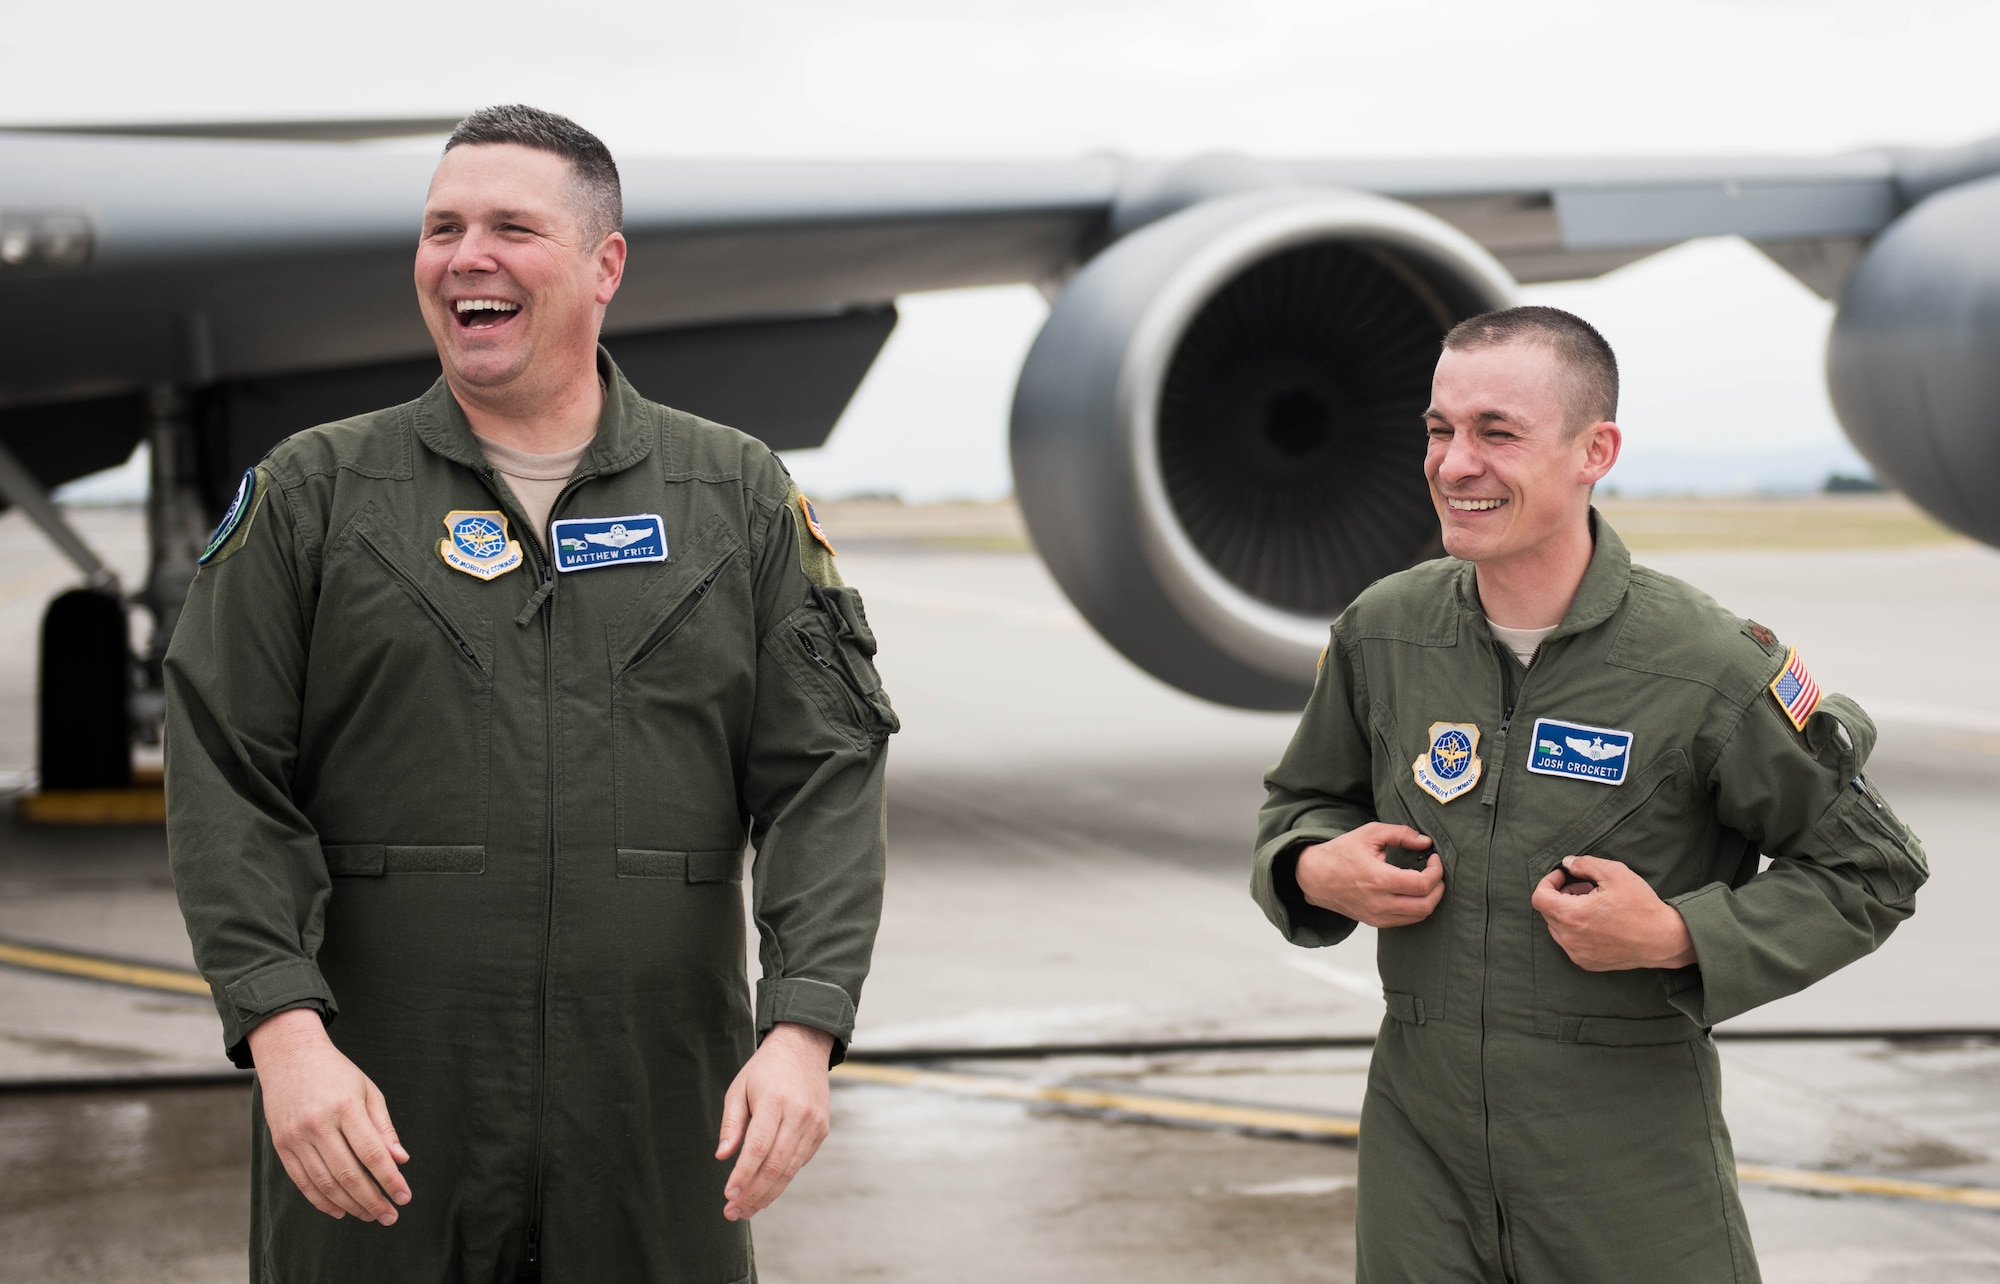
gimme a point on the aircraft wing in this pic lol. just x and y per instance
(126, 261)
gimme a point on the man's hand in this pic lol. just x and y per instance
(328, 1121)
(1608, 919)
(777, 1111)
(1351, 876)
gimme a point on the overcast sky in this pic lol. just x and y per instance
(1722, 351)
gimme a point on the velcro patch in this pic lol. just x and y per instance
(248, 492)
(477, 543)
(1795, 691)
(1600, 755)
(1450, 765)
(812, 524)
(587, 543)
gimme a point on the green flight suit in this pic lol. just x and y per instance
(1525, 1119)
(493, 829)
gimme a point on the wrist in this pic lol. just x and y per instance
(804, 1037)
(1679, 943)
(286, 1033)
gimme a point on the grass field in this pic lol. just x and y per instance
(1805, 521)
(1647, 525)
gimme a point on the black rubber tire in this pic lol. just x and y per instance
(85, 697)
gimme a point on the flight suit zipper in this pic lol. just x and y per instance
(546, 606)
(542, 602)
(1496, 764)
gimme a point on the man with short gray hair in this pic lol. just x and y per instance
(1549, 778)
(474, 706)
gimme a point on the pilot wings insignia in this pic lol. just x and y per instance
(1594, 748)
(1601, 755)
(618, 536)
(586, 543)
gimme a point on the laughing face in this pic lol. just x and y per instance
(1508, 472)
(511, 291)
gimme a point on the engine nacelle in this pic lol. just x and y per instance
(1217, 437)
(1913, 363)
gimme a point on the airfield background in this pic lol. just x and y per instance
(1017, 873)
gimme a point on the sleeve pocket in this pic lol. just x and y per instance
(1860, 831)
(831, 644)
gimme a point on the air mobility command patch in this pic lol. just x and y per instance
(588, 543)
(249, 494)
(477, 544)
(1581, 752)
(1795, 691)
(1451, 766)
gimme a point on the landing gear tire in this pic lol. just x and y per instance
(85, 702)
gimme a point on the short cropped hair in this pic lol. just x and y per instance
(1589, 366)
(600, 199)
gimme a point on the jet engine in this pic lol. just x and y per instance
(1217, 437)
(1913, 363)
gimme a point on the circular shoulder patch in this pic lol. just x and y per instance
(246, 496)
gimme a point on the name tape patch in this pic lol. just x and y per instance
(477, 544)
(588, 543)
(1450, 767)
(1582, 752)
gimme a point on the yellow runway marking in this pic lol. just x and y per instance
(1139, 1105)
(1133, 1105)
(1848, 1184)
(1177, 1110)
(144, 976)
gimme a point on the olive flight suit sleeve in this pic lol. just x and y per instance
(1322, 788)
(1844, 870)
(813, 784)
(247, 865)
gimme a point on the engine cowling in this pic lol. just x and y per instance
(1216, 436)
(1913, 363)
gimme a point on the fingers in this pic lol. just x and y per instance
(1597, 869)
(800, 1131)
(307, 1186)
(340, 1150)
(1396, 836)
(385, 1152)
(323, 1188)
(1394, 880)
(758, 1146)
(735, 1113)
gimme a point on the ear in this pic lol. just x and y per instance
(610, 266)
(1601, 443)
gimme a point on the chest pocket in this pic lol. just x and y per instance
(397, 716)
(1648, 823)
(681, 656)
(1415, 960)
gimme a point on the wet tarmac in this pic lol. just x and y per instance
(1068, 864)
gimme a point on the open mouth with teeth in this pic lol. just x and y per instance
(484, 314)
(1473, 505)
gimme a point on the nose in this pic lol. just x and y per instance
(473, 252)
(1459, 459)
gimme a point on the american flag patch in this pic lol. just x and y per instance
(1795, 691)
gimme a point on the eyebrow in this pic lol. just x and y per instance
(498, 216)
(1484, 416)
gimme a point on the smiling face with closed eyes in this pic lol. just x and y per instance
(513, 288)
(1510, 471)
